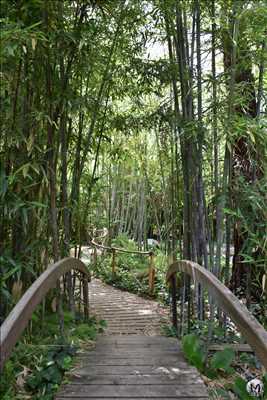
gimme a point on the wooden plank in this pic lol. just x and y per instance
(84, 397)
(129, 317)
(188, 377)
(132, 322)
(100, 301)
(133, 391)
(235, 346)
(150, 340)
(170, 359)
(133, 310)
(131, 353)
(124, 332)
(134, 349)
(88, 370)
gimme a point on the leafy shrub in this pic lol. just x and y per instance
(193, 348)
(194, 352)
(132, 269)
(85, 331)
(43, 367)
(7, 381)
(239, 388)
(219, 393)
(222, 360)
(46, 379)
(168, 330)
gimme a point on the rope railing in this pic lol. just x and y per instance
(120, 250)
(249, 327)
(15, 323)
(114, 250)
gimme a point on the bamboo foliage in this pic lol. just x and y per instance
(99, 133)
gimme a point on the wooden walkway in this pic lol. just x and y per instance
(131, 360)
(125, 312)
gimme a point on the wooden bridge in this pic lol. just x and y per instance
(134, 367)
(132, 360)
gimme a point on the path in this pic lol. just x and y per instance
(131, 360)
(126, 313)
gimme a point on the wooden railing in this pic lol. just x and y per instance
(249, 327)
(114, 250)
(17, 320)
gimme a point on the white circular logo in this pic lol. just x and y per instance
(255, 387)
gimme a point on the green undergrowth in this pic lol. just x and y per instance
(225, 370)
(132, 270)
(40, 360)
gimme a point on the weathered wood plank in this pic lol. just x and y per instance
(134, 391)
(170, 360)
(131, 324)
(240, 348)
(136, 344)
(135, 347)
(132, 370)
(139, 339)
(116, 353)
(129, 316)
(77, 397)
(188, 377)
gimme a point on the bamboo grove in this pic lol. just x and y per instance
(147, 118)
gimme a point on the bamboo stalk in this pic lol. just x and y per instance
(151, 273)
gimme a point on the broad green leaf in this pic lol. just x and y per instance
(193, 350)
(222, 359)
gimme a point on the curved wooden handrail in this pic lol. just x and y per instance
(119, 250)
(17, 320)
(250, 328)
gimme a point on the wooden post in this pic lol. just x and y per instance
(151, 273)
(80, 294)
(188, 292)
(95, 256)
(85, 298)
(113, 263)
(174, 303)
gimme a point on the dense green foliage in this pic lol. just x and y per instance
(132, 270)
(42, 357)
(106, 124)
(219, 367)
(146, 118)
